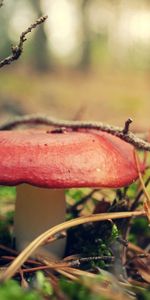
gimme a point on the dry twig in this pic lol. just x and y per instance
(127, 125)
(74, 262)
(147, 197)
(35, 119)
(138, 197)
(18, 49)
(74, 208)
(32, 247)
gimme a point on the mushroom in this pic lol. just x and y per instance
(43, 165)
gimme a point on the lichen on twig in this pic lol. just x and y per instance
(122, 133)
(32, 247)
(18, 49)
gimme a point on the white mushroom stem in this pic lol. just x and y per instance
(38, 209)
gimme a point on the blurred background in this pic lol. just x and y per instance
(90, 60)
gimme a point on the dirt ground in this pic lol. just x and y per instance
(109, 96)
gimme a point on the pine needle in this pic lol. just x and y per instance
(32, 247)
(146, 204)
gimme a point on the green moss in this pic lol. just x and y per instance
(77, 291)
(11, 290)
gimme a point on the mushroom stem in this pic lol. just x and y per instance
(38, 209)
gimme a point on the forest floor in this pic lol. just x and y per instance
(107, 96)
(114, 268)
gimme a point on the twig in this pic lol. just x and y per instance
(76, 262)
(11, 258)
(7, 249)
(134, 248)
(73, 208)
(134, 205)
(147, 197)
(30, 249)
(58, 236)
(24, 283)
(141, 256)
(136, 284)
(79, 261)
(136, 201)
(18, 49)
(126, 126)
(129, 137)
(127, 224)
(35, 269)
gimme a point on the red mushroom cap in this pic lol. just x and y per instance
(65, 160)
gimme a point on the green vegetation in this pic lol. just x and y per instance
(105, 78)
(7, 193)
(100, 242)
(12, 290)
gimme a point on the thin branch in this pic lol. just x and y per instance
(127, 223)
(79, 261)
(32, 247)
(18, 49)
(127, 125)
(136, 201)
(73, 208)
(76, 262)
(129, 137)
(147, 197)
(72, 263)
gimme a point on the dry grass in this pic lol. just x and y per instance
(32, 247)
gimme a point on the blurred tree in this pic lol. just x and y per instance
(40, 55)
(4, 34)
(4, 37)
(85, 59)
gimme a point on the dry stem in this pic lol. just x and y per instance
(129, 137)
(147, 197)
(18, 49)
(30, 249)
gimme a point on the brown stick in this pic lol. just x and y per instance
(34, 119)
(27, 252)
(18, 49)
